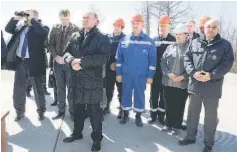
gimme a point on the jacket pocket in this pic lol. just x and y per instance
(142, 62)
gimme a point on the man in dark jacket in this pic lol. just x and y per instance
(207, 61)
(190, 24)
(28, 40)
(29, 86)
(3, 49)
(58, 39)
(110, 67)
(87, 53)
(157, 104)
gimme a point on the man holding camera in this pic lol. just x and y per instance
(27, 47)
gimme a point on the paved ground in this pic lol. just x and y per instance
(30, 135)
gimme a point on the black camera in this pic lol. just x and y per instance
(22, 13)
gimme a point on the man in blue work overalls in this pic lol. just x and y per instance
(135, 66)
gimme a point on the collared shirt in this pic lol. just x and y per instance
(22, 38)
(66, 26)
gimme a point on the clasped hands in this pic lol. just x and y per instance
(175, 78)
(202, 76)
(76, 64)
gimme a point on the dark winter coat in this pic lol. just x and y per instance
(86, 85)
(215, 57)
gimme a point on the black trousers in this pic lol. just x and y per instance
(19, 93)
(110, 82)
(29, 85)
(157, 103)
(94, 113)
(175, 99)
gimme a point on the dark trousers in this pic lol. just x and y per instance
(62, 75)
(19, 93)
(55, 93)
(29, 85)
(175, 99)
(94, 113)
(157, 103)
(110, 82)
(210, 120)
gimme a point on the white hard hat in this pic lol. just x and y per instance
(180, 28)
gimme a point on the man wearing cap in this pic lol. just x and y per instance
(190, 24)
(207, 61)
(110, 67)
(175, 80)
(157, 104)
(135, 66)
(203, 20)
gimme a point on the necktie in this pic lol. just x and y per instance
(25, 45)
(62, 39)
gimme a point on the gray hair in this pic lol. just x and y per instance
(191, 20)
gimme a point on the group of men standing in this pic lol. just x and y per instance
(90, 63)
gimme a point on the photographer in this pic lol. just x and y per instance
(29, 86)
(26, 51)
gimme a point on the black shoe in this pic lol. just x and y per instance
(72, 138)
(54, 103)
(138, 121)
(96, 146)
(207, 149)
(28, 94)
(106, 110)
(161, 121)
(60, 115)
(125, 118)
(120, 114)
(19, 117)
(41, 116)
(183, 127)
(186, 141)
(153, 117)
(46, 92)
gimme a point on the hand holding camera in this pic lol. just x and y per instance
(25, 15)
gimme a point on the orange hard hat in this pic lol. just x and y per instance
(137, 18)
(164, 19)
(119, 22)
(203, 20)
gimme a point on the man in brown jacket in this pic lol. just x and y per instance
(58, 39)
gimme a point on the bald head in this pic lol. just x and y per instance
(211, 28)
(90, 19)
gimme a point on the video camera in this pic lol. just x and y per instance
(22, 13)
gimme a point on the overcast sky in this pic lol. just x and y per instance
(110, 10)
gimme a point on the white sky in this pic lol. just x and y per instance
(48, 11)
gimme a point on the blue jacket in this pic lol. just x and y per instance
(136, 56)
(114, 40)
